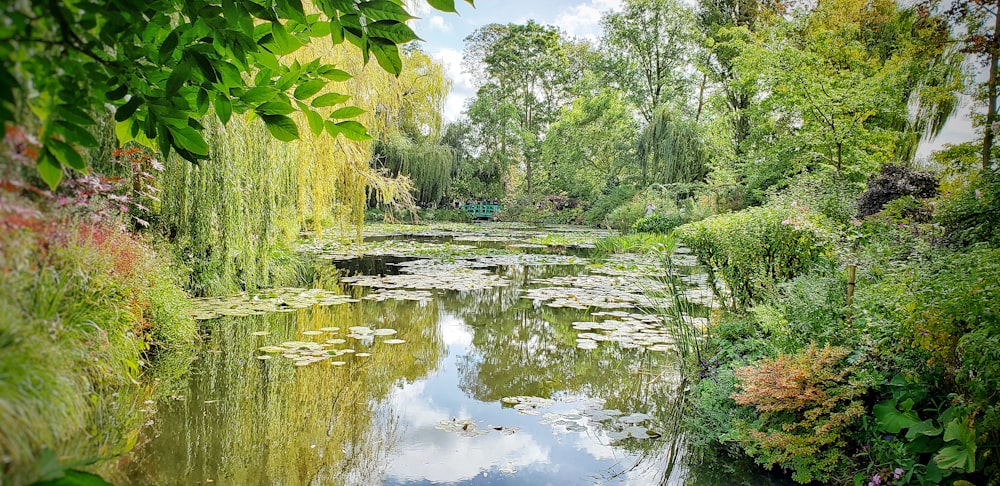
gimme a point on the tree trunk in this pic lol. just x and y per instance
(701, 97)
(991, 93)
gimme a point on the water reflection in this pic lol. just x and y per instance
(406, 413)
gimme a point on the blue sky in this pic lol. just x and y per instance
(444, 33)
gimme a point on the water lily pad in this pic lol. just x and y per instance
(261, 333)
(336, 341)
(363, 355)
(338, 363)
(264, 357)
(329, 329)
(384, 332)
(271, 349)
(311, 333)
(393, 341)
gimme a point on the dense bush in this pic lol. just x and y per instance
(657, 223)
(599, 210)
(894, 182)
(755, 249)
(971, 214)
(81, 305)
(805, 404)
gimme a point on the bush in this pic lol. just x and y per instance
(894, 182)
(657, 223)
(757, 248)
(81, 305)
(599, 211)
(806, 402)
(971, 214)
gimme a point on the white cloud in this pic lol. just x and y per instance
(439, 456)
(437, 22)
(584, 21)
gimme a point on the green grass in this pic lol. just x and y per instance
(81, 305)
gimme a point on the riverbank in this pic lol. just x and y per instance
(85, 304)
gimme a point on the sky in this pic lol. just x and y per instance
(444, 34)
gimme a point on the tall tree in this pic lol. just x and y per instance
(981, 38)
(523, 74)
(649, 45)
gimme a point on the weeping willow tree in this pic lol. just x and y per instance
(234, 217)
(671, 150)
(429, 166)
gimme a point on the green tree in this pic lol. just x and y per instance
(648, 48)
(163, 64)
(590, 145)
(525, 79)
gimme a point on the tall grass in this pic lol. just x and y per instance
(81, 303)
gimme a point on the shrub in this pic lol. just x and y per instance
(971, 214)
(754, 249)
(806, 402)
(599, 211)
(657, 223)
(894, 182)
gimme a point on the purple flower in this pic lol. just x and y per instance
(898, 473)
(875, 480)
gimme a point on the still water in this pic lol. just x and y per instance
(448, 359)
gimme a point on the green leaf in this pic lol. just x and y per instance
(75, 134)
(223, 107)
(180, 74)
(926, 427)
(201, 101)
(126, 111)
(285, 43)
(309, 88)
(956, 457)
(258, 94)
(443, 5)
(333, 74)
(350, 129)
(347, 112)
(49, 169)
(189, 139)
(387, 55)
(315, 119)
(166, 50)
(392, 30)
(384, 10)
(892, 420)
(117, 93)
(281, 127)
(275, 108)
(329, 99)
(65, 154)
(74, 114)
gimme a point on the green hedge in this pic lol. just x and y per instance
(754, 249)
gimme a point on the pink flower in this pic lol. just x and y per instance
(898, 473)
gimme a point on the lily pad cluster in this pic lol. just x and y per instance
(591, 415)
(305, 353)
(273, 300)
(429, 276)
(588, 291)
(629, 331)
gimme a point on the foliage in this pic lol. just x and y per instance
(970, 213)
(657, 223)
(82, 304)
(163, 64)
(671, 150)
(635, 243)
(806, 402)
(648, 46)
(589, 146)
(893, 182)
(523, 74)
(755, 249)
(429, 166)
(598, 212)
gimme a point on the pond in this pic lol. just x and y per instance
(478, 354)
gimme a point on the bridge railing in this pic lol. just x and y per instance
(482, 210)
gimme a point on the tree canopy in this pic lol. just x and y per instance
(162, 65)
